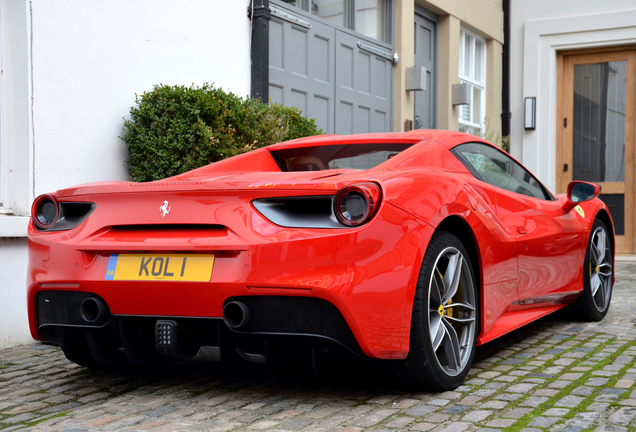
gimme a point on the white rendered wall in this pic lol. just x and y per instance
(86, 61)
(14, 328)
(539, 29)
(90, 58)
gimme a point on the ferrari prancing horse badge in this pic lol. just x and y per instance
(164, 209)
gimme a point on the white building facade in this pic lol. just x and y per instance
(577, 59)
(70, 72)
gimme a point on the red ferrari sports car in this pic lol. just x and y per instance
(413, 247)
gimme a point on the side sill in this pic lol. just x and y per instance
(514, 320)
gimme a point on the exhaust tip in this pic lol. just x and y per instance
(237, 314)
(93, 309)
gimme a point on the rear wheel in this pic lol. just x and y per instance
(445, 317)
(598, 276)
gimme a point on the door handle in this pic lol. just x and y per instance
(522, 230)
(418, 122)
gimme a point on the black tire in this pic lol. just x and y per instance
(443, 333)
(87, 351)
(598, 276)
(77, 351)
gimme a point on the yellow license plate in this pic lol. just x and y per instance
(151, 267)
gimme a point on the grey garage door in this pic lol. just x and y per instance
(342, 80)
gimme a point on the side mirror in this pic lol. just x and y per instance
(580, 191)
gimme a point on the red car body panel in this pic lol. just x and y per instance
(530, 252)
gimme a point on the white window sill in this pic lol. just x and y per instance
(13, 226)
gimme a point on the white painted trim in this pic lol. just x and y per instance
(16, 145)
(542, 40)
(13, 226)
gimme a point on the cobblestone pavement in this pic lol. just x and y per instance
(554, 375)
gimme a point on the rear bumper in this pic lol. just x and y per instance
(368, 275)
(280, 327)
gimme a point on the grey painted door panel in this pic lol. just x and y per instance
(363, 88)
(426, 55)
(301, 69)
(322, 71)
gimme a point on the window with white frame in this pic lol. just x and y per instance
(371, 18)
(472, 71)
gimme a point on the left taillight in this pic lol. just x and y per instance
(49, 214)
(45, 211)
(356, 204)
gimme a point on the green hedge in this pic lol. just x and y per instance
(173, 129)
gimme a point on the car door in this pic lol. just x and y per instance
(549, 246)
(548, 239)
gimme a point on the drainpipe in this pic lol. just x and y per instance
(260, 14)
(505, 88)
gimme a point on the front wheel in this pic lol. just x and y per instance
(598, 276)
(445, 317)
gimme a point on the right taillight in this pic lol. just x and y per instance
(357, 204)
(45, 211)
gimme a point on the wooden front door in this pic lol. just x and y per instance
(595, 130)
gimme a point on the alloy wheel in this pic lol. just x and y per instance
(601, 269)
(452, 311)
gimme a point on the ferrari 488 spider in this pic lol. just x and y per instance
(413, 247)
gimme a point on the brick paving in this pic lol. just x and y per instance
(554, 375)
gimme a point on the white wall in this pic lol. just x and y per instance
(81, 63)
(539, 29)
(90, 58)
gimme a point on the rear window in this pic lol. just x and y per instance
(345, 156)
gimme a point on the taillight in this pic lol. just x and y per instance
(45, 211)
(357, 204)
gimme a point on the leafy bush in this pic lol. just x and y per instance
(173, 129)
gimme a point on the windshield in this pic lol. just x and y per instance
(345, 156)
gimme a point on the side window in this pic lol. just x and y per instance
(498, 169)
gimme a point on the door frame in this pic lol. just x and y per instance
(564, 131)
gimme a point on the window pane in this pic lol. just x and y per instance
(465, 113)
(476, 105)
(346, 156)
(292, 2)
(498, 169)
(333, 11)
(600, 96)
(371, 18)
(467, 50)
(478, 58)
(469, 129)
